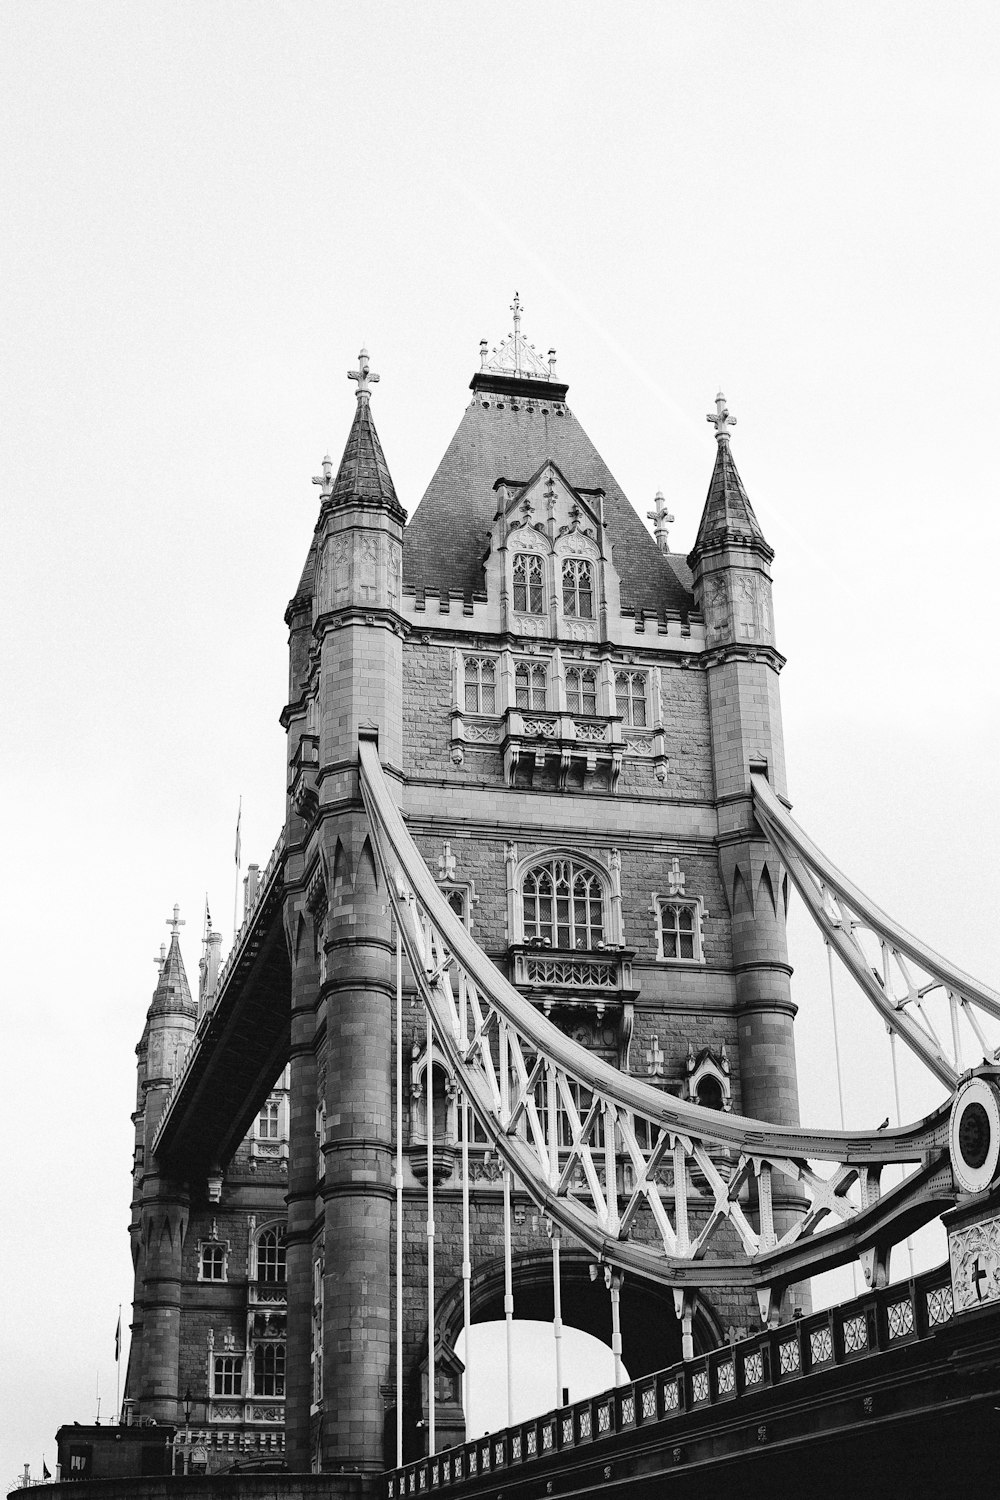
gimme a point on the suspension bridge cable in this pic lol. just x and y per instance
(840, 1079)
(431, 1392)
(466, 1255)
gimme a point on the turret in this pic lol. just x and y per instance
(346, 678)
(731, 564)
(160, 1207)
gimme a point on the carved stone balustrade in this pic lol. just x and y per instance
(589, 994)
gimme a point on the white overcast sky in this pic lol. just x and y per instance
(206, 208)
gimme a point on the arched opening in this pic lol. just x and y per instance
(651, 1331)
(710, 1094)
(587, 1367)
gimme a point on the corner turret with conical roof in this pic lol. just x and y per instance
(731, 566)
(346, 673)
(159, 1205)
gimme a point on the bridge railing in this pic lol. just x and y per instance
(870, 1324)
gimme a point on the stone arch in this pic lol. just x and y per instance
(651, 1330)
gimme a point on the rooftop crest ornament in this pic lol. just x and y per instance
(176, 920)
(326, 478)
(515, 356)
(661, 519)
(363, 375)
(721, 419)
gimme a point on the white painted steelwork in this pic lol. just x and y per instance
(616, 1157)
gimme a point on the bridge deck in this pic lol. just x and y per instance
(892, 1381)
(240, 1046)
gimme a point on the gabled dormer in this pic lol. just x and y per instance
(549, 559)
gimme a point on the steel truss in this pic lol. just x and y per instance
(646, 1181)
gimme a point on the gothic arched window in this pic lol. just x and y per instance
(630, 698)
(269, 1368)
(529, 685)
(563, 904)
(528, 589)
(680, 930)
(581, 690)
(578, 588)
(480, 685)
(271, 1254)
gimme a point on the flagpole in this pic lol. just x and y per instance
(236, 887)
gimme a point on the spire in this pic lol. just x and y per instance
(363, 474)
(172, 991)
(728, 514)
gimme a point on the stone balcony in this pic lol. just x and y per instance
(585, 747)
(589, 994)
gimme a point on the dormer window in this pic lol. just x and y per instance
(581, 690)
(563, 905)
(529, 685)
(528, 584)
(578, 588)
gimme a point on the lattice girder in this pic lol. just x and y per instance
(592, 1145)
(845, 915)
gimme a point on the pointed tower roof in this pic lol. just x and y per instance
(517, 421)
(728, 515)
(363, 474)
(172, 993)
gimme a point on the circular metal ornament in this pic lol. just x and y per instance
(974, 1136)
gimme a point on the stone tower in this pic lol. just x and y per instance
(346, 674)
(160, 1203)
(569, 714)
(730, 564)
(564, 706)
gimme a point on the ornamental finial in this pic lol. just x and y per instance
(661, 519)
(721, 419)
(515, 308)
(175, 921)
(363, 375)
(326, 478)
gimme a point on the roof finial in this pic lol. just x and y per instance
(326, 478)
(363, 375)
(175, 921)
(515, 308)
(161, 958)
(721, 419)
(661, 519)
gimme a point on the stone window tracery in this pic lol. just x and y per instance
(529, 590)
(679, 930)
(578, 588)
(269, 1368)
(530, 679)
(562, 903)
(480, 685)
(269, 1252)
(227, 1375)
(581, 690)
